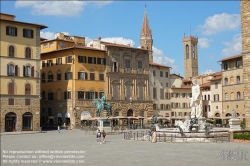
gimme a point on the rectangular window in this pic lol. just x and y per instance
(59, 61)
(81, 75)
(91, 95)
(81, 59)
(58, 77)
(225, 66)
(91, 60)
(115, 67)
(115, 92)
(62, 44)
(51, 44)
(127, 63)
(183, 95)
(100, 94)
(166, 84)
(162, 93)
(11, 31)
(67, 95)
(28, 33)
(128, 92)
(140, 92)
(161, 73)
(27, 101)
(101, 61)
(92, 76)
(80, 94)
(49, 111)
(237, 64)
(139, 64)
(49, 63)
(154, 93)
(43, 64)
(216, 97)
(101, 77)
(11, 101)
(154, 73)
(45, 45)
(50, 96)
(166, 74)
(216, 85)
(69, 59)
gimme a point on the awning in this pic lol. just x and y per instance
(59, 115)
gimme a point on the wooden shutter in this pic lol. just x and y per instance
(32, 33)
(16, 70)
(7, 30)
(15, 31)
(69, 95)
(23, 70)
(70, 75)
(94, 60)
(24, 33)
(65, 95)
(96, 94)
(86, 95)
(66, 76)
(86, 75)
(32, 71)
(79, 75)
(7, 70)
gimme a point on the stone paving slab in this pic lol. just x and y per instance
(119, 152)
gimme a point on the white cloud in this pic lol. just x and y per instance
(57, 8)
(220, 22)
(119, 40)
(50, 35)
(204, 42)
(161, 58)
(233, 47)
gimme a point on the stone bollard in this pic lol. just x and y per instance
(231, 136)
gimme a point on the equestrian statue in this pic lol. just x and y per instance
(101, 104)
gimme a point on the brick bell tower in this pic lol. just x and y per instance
(190, 56)
(146, 40)
(245, 28)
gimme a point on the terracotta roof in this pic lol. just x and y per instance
(182, 87)
(7, 14)
(176, 75)
(156, 64)
(205, 85)
(42, 39)
(186, 80)
(121, 45)
(80, 47)
(57, 40)
(19, 22)
(216, 74)
(215, 78)
(231, 57)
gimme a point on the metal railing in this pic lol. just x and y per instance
(176, 137)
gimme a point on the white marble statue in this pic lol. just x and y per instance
(195, 102)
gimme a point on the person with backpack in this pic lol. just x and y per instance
(99, 137)
(103, 136)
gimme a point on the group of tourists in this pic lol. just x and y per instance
(100, 136)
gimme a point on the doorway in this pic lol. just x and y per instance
(10, 122)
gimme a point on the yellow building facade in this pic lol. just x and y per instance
(72, 76)
(19, 74)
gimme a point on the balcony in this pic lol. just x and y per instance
(139, 71)
(127, 70)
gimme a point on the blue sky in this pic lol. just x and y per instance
(216, 24)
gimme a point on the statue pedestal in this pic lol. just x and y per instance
(104, 124)
(234, 124)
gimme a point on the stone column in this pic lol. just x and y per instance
(245, 27)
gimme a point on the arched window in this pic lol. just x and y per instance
(238, 79)
(226, 96)
(232, 96)
(27, 53)
(43, 77)
(238, 95)
(11, 51)
(27, 89)
(28, 71)
(187, 51)
(232, 80)
(10, 70)
(226, 81)
(43, 95)
(50, 77)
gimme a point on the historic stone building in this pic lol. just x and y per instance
(159, 82)
(232, 86)
(190, 56)
(19, 74)
(72, 76)
(245, 27)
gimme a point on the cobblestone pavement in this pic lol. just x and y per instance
(115, 152)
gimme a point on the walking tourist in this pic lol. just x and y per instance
(103, 136)
(154, 137)
(99, 137)
(58, 128)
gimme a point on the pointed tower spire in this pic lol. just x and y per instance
(146, 40)
(146, 31)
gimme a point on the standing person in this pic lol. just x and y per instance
(103, 136)
(154, 137)
(96, 134)
(58, 128)
(99, 136)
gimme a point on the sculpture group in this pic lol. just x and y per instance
(101, 104)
